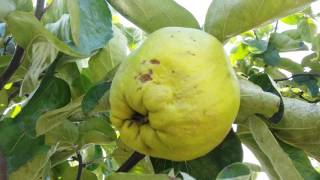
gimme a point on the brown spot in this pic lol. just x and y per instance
(154, 61)
(145, 77)
(139, 88)
(150, 71)
(191, 53)
(173, 71)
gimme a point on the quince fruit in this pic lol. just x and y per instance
(176, 96)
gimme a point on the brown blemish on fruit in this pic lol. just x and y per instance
(154, 61)
(150, 71)
(145, 78)
(173, 71)
(191, 53)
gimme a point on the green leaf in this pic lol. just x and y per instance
(256, 46)
(24, 5)
(61, 28)
(293, 34)
(17, 147)
(271, 56)
(71, 173)
(248, 140)
(310, 82)
(32, 170)
(307, 29)
(153, 15)
(239, 52)
(54, 12)
(123, 152)
(66, 134)
(269, 145)
(235, 171)
(91, 25)
(293, 19)
(4, 61)
(268, 85)
(54, 118)
(290, 65)
(312, 61)
(3, 100)
(301, 131)
(284, 43)
(40, 55)
(96, 131)
(300, 161)
(227, 18)
(131, 176)
(25, 27)
(107, 58)
(8, 6)
(228, 152)
(91, 99)
(52, 93)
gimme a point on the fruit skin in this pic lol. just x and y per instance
(181, 81)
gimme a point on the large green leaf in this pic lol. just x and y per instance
(155, 14)
(17, 147)
(268, 144)
(109, 57)
(300, 131)
(25, 27)
(54, 118)
(301, 162)
(90, 24)
(227, 18)
(228, 152)
(41, 54)
(52, 93)
(285, 43)
(32, 170)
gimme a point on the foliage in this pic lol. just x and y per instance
(55, 109)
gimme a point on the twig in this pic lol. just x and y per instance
(297, 75)
(40, 9)
(80, 166)
(131, 162)
(276, 28)
(18, 54)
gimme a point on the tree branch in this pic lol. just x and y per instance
(131, 162)
(80, 166)
(18, 54)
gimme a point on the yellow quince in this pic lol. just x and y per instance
(176, 96)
